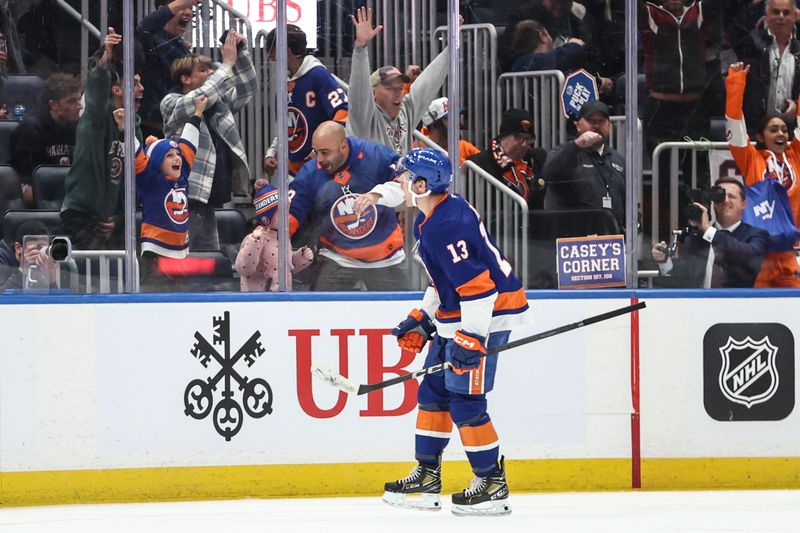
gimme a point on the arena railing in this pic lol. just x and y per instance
(617, 142)
(263, 105)
(478, 88)
(102, 259)
(503, 211)
(674, 149)
(408, 27)
(540, 93)
(87, 28)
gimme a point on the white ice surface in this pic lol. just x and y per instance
(618, 512)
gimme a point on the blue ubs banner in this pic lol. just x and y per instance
(591, 262)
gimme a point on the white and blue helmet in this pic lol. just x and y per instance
(431, 165)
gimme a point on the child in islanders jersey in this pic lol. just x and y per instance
(475, 301)
(775, 156)
(162, 181)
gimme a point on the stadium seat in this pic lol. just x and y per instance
(14, 217)
(25, 89)
(48, 186)
(232, 228)
(6, 127)
(547, 225)
(10, 194)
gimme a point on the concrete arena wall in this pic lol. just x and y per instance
(94, 410)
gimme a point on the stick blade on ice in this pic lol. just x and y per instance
(327, 374)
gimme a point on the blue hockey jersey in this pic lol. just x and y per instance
(165, 202)
(371, 240)
(476, 287)
(314, 97)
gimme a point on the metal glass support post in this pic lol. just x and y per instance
(131, 265)
(633, 146)
(103, 20)
(453, 85)
(282, 106)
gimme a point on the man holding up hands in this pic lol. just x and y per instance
(91, 212)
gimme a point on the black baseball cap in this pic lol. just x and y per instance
(594, 106)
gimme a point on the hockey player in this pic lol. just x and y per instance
(472, 304)
(314, 97)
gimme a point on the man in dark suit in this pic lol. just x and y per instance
(726, 254)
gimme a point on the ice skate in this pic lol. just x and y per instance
(419, 490)
(486, 496)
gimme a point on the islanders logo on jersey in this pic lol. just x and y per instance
(176, 204)
(344, 219)
(298, 129)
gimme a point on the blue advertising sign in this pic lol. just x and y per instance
(591, 262)
(579, 87)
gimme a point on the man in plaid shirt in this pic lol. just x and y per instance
(221, 158)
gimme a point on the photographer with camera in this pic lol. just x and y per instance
(32, 255)
(726, 254)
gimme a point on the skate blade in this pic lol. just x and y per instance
(495, 508)
(419, 502)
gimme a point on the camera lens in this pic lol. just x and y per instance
(60, 249)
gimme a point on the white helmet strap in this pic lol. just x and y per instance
(414, 195)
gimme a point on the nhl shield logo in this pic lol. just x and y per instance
(748, 371)
(748, 375)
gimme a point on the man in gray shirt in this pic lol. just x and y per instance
(379, 111)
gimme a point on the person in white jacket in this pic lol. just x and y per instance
(379, 111)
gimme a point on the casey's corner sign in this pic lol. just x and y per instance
(591, 262)
(263, 15)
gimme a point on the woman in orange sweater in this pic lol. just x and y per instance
(774, 156)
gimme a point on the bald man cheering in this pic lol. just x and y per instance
(358, 246)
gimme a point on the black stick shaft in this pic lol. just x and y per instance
(363, 389)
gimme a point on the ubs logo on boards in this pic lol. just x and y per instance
(748, 372)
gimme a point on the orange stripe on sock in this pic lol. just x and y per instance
(478, 435)
(439, 421)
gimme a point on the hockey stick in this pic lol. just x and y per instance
(337, 380)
